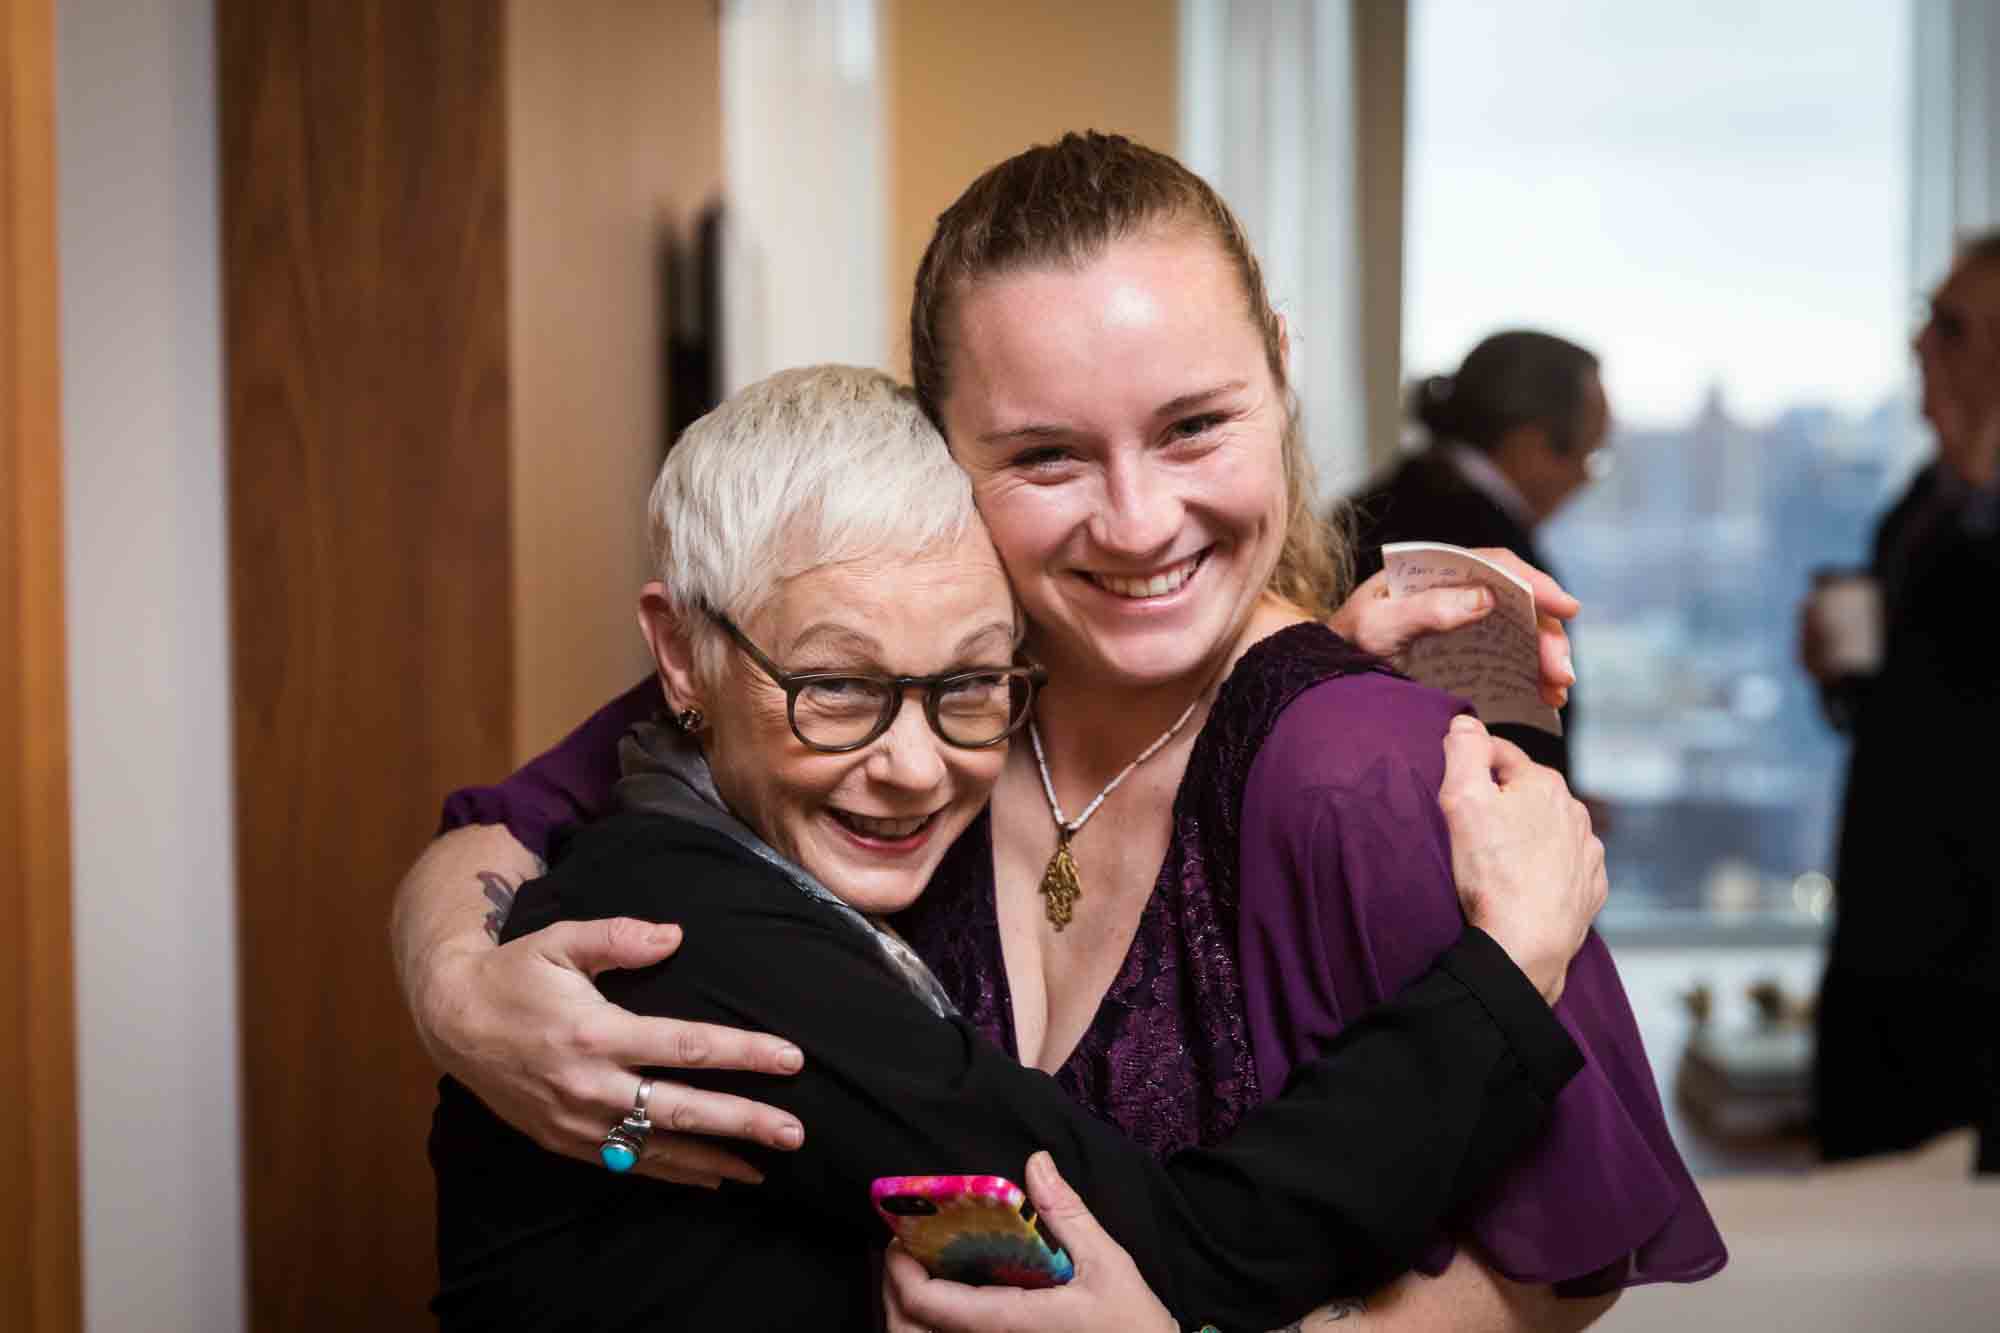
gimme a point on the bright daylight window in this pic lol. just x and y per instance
(1714, 199)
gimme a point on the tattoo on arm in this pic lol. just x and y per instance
(499, 891)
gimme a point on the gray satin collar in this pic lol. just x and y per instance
(663, 772)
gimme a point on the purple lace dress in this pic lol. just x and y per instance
(1169, 1056)
(1308, 877)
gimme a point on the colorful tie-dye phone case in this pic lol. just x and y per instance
(980, 1230)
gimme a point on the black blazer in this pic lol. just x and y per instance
(1327, 1190)
(1919, 872)
(1426, 499)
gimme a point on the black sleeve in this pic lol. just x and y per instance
(1330, 1190)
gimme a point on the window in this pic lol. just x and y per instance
(1716, 200)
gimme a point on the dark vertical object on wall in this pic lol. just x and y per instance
(1381, 97)
(41, 1285)
(365, 262)
(692, 300)
(708, 248)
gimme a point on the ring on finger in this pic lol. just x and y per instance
(621, 1147)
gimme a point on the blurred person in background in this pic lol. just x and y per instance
(1907, 1009)
(1512, 436)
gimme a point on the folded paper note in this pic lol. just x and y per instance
(1495, 663)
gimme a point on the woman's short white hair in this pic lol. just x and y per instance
(809, 467)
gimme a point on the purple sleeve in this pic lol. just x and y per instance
(569, 784)
(1348, 896)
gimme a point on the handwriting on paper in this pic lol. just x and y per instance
(1494, 663)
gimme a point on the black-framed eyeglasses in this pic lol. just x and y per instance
(838, 711)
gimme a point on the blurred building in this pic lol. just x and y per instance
(1703, 737)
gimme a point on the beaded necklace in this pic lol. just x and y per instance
(1060, 887)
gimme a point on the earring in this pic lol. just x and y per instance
(690, 720)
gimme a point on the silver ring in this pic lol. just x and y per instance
(620, 1149)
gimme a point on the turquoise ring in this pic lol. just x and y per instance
(621, 1147)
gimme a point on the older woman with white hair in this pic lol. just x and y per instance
(839, 651)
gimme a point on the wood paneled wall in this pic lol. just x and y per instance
(967, 84)
(365, 262)
(40, 1274)
(614, 134)
(1381, 96)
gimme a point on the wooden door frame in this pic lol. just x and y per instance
(368, 409)
(40, 1248)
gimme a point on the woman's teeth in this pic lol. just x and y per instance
(1152, 585)
(870, 826)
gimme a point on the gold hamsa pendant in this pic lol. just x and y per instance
(1060, 886)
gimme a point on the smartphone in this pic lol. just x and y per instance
(980, 1230)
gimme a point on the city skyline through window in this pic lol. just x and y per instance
(1716, 200)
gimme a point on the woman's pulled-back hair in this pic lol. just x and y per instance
(1061, 205)
(1516, 378)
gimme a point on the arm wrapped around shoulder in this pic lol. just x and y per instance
(1348, 894)
(569, 783)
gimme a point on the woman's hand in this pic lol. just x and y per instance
(1373, 620)
(523, 1026)
(1530, 871)
(1106, 1294)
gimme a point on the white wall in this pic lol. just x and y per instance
(805, 224)
(1269, 117)
(149, 666)
(1955, 139)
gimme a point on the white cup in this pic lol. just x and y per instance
(1846, 610)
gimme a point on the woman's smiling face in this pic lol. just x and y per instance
(871, 824)
(1123, 432)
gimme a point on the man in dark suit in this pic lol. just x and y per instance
(1910, 1005)
(1512, 436)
